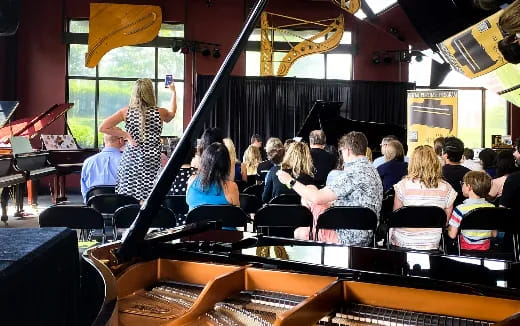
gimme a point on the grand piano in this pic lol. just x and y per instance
(27, 165)
(199, 274)
(329, 117)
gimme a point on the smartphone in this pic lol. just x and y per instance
(168, 80)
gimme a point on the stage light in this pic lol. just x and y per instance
(387, 59)
(205, 52)
(376, 59)
(419, 57)
(185, 50)
(216, 53)
(176, 47)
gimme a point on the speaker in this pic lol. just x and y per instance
(9, 17)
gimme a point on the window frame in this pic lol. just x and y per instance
(82, 38)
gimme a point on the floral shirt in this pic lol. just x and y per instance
(358, 184)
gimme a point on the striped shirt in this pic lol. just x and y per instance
(415, 193)
(471, 239)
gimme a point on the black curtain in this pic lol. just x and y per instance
(277, 107)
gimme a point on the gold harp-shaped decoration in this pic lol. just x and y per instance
(306, 47)
(114, 25)
(351, 6)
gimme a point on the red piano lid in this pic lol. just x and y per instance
(30, 127)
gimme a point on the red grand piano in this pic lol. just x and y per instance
(30, 164)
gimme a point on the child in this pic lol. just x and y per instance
(475, 187)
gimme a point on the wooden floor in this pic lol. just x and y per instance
(31, 218)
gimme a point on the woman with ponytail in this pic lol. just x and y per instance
(141, 158)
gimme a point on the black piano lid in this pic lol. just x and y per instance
(7, 109)
(130, 246)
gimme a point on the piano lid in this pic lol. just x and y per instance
(31, 127)
(7, 109)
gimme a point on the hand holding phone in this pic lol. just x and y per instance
(168, 80)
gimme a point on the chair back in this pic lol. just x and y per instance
(177, 203)
(488, 218)
(282, 220)
(98, 190)
(255, 190)
(229, 215)
(125, 216)
(250, 203)
(109, 203)
(418, 217)
(71, 216)
(344, 217)
(286, 199)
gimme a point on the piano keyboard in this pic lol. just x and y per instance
(34, 174)
(10, 180)
(359, 314)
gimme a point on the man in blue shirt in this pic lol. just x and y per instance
(101, 169)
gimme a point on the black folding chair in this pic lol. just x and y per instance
(489, 218)
(250, 203)
(177, 203)
(281, 220)
(99, 190)
(286, 199)
(256, 190)
(75, 217)
(387, 208)
(107, 204)
(346, 217)
(125, 216)
(229, 215)
(417, 217)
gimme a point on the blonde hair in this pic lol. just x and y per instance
(298, 159)
(252, 157)
(368, 154)
(231, 149)
(394, 150)
(142, 99)
(425, 166)
(275, 150)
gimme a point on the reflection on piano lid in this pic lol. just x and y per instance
(330, 117)
(7, 109)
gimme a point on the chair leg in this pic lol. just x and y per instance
(515, 246)
(458, 243)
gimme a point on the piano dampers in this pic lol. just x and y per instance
(359, 314)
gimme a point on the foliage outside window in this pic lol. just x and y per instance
(336, 64)
(101, 91)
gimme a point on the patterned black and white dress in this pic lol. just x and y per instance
(140, 164)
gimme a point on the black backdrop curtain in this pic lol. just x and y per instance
(277, 107)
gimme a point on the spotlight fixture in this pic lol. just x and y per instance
(205, 52)
(376, 59)
(216, 53)
(387, 59)
(418, 58)
(176, 47)
(185, 50)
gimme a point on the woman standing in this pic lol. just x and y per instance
(141, 158)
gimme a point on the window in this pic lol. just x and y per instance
(335, 64)
(101, 91)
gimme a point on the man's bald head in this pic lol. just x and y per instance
(113, 141)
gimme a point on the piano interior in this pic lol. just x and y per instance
(176, 292)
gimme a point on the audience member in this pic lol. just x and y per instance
(180, 182)
(488, 158)
(469, 162)
(211, 185)
(288, 143)
(423, 186)
(256, 141)
(275, 152)
(511, 192)
(235, 172)
(453, 171)
(516, 153)
(475, 187)
(141, 159)
(438, 145)
(297, 163)
(252, 158)
(394, 168)
(368, 154)
(323, 161)
(209, 136)
(380, 160)
(505, 166)
(101, 169)
(357, 185)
